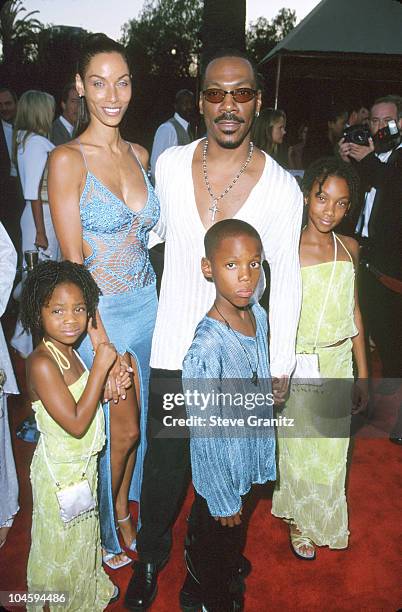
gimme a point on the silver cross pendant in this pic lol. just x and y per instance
(214, 209)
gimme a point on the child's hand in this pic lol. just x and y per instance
(125, 372)
(230, 521)
(105, 355)
(360, 395)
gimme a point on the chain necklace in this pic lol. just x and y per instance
(254, 372)
(214, 208)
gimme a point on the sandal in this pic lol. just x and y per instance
(297, 541)
(115, 596)
(107, 557)
(133, 545)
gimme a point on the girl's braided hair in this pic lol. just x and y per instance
(41, 283)
(324, 167)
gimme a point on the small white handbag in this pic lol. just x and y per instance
(307, 370)
(75, 499)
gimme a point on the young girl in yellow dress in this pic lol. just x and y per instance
(59, 298)
(310, 491)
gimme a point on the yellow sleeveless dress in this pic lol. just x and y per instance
(66, 558)
(312, 467)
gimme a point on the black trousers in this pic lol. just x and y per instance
(166, 473)
(382, 314)
(212, 553)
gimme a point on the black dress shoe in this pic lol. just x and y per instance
(191, 600)
(143, 586)
(395, 439)
(244, 565)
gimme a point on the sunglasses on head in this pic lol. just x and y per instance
(242, 94)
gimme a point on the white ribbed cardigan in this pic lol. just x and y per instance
(274, 208)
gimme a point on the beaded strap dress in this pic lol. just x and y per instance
(312, 470)
(66, 558)
(119, 263)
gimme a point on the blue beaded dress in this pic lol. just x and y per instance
(119, 263)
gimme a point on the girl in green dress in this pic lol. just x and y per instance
(310, 491)
(58, 301)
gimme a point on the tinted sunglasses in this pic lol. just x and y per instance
(216, 96)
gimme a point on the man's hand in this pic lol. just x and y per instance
(230, 521)
(359, 152)
(344, 150)
(280, 388)
(360, 395)
(348, 150)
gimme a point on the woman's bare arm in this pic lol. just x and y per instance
(66, 180)
(47, 383)
(37, 213)
(65, 183)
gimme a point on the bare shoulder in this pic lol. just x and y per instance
(40, 362)
(141, 153)
(42, 372)
(67, 156)
(351, 244)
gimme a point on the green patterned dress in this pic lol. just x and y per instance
(66, 558)
(311, 485)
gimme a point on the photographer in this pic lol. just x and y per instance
(379, 229)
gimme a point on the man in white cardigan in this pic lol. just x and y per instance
(220, 177)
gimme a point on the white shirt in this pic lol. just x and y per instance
(8, 135)
(165, 137)
(274, 208)
(8, 264)
(32, 158)
(67, 125)
(365, 215)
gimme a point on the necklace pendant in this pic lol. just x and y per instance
(214, 209)
(254, 378)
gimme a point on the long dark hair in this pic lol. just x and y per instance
(94, 44)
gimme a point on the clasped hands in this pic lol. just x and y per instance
(118, 380)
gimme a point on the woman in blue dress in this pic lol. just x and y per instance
(103, 208)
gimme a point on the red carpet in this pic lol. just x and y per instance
(366, 576)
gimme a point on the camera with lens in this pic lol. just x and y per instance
(387, 138)
(357, 134)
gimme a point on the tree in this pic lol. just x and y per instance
(163, 46)
(18, 34)
(263, 35)
(224, 23)
(59, 48)
(165, 39)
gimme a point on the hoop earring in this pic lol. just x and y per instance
(257, 114)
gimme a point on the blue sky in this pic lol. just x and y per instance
(108, 16)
